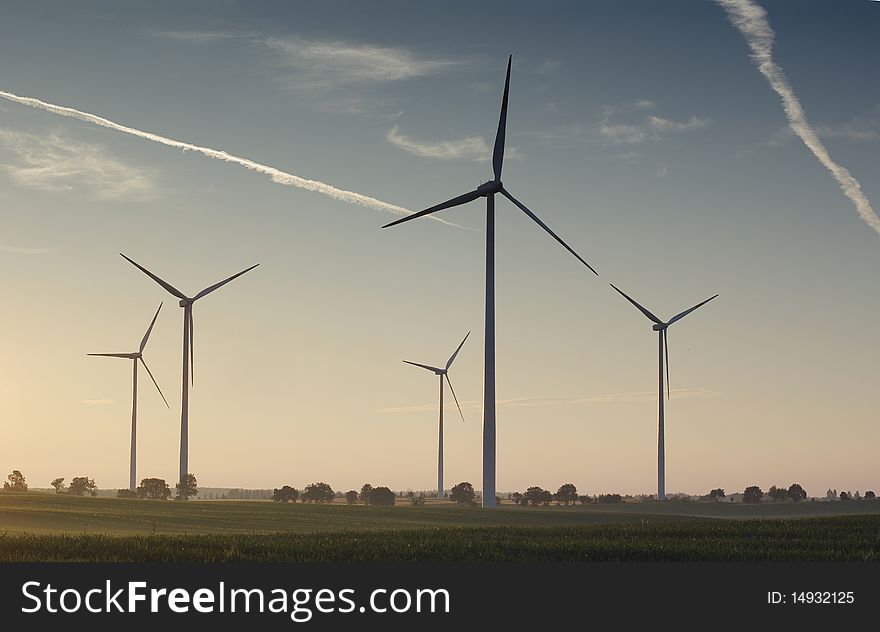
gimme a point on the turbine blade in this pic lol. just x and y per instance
(173, 290)
(641, 309)
(156, 383)
(498, 153)
(111, 355)
(666, 351)
(425, 366)
(688, 311)
(453, 395)
(192, 360)
(149, 329)
(217, 286)
(455, 353)
(545, 227)
(456, 201)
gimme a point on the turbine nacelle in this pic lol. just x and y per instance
(660, 326)
(185, 301)
(488, 188)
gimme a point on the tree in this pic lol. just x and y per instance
(79, 485)
(753, 494)
(381, 496)
(58, 484)
(777, 493)
(351, 497)
(417, 501)
(717, 494)
(869, 494)
(567, 494)
(463, 493)
(516, 497)
(584, 499)
(364, 496)
(153, 489)
(16, 482)
(285, 495)
(318, 493)
(797, 493)
(537, 496)
(189, 487)
(844, 496)
(126, 493)
(610, 498)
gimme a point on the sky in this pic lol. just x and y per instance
(643, 133)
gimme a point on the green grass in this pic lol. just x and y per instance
(45, 527)
(848, 538)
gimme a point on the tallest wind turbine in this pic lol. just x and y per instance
(488, 191)
(660, 327)
(187, 304)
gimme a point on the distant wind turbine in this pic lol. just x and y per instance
(187, 304)
(660, 327)
(134, 357)
(444, 372)
(488, 191)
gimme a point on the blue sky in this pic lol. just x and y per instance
(641, 132)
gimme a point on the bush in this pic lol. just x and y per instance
(285, 494)
(125, 493)
(318, 493)
(537, 496)
(610, 498)
(79, 485)
(351, 497)
(381, 496)
(463, 493)
(752, 494)
(16, 482)
(154, 489)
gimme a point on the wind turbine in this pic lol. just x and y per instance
(488, 191)
(660, 327)
(134, 357)
(444, 372)
(186, 303)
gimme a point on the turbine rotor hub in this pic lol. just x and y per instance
(660, 327)
(488, 188)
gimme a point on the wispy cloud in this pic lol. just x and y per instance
(665, 125)
(469, 148)
(860, 130)
(96, 402)
(18, 250)
(315, 64)
(54, 162)
(335, 62)
(561, 400)
(751, 20)
(281, 177)
(648, 129)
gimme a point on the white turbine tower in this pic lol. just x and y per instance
(660, 327)
(135, 357)
(444, 372)
(488, 191)
(186, 303)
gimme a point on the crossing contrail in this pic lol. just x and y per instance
(751, 20)
(281, 177)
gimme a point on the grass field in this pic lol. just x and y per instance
(45, 527)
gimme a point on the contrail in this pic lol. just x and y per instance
(281, 177)
(751, 20)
